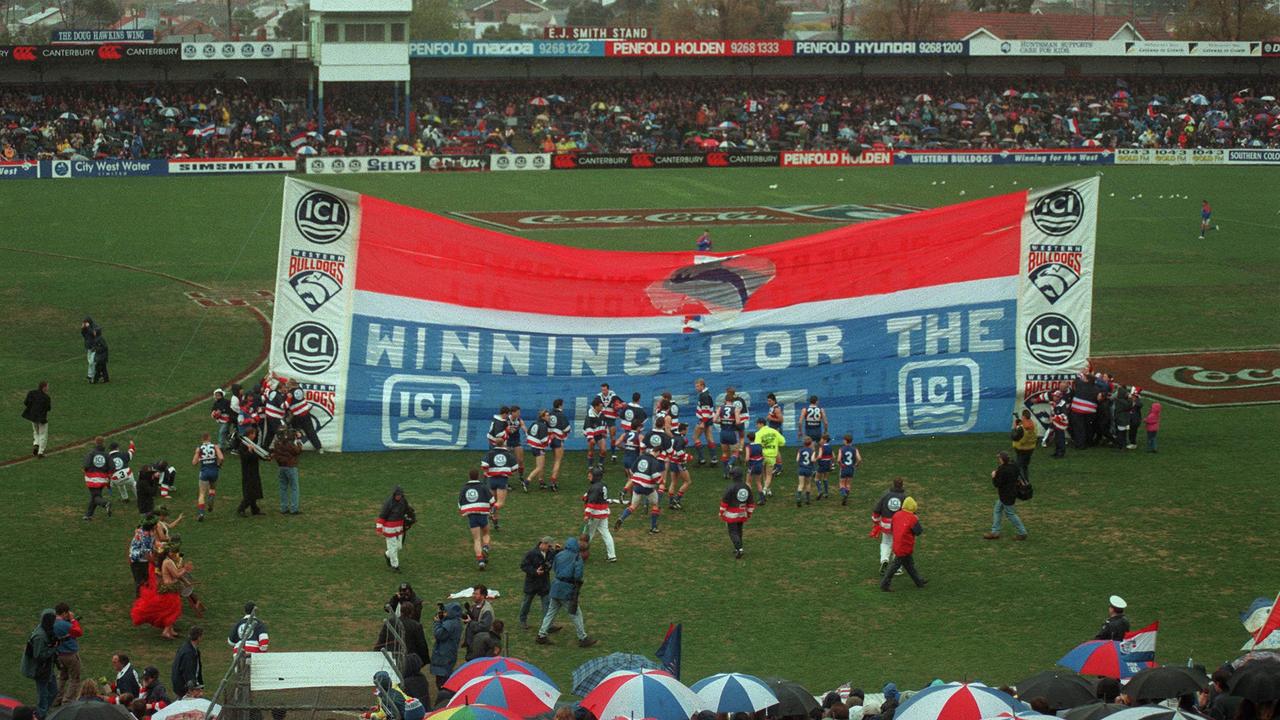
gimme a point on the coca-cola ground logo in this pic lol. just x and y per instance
(1202, 379)
(687, 217)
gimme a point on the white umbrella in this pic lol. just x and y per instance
(338, 133)
(735, 692)
(923, 98)
(189, 709)
(1199, 99)
(170, 112)
(306, 150)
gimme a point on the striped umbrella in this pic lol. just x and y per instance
(474, 712)
(1154, 712)
(524, 695)
(492, 666)
(1102, 657)
(958, 701)
(1031, 715)
(735, 692)
(645, 694)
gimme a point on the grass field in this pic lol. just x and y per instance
(1187, 536)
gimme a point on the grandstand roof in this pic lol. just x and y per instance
(1050, 26)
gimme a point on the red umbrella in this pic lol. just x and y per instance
(492, 666)
(524, 695)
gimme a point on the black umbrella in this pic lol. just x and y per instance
(7, 706)
(1093, 711)
(90, 710)
(1158, 712)
(1160, 683)
(1257, 681)
(793, 699)
(1061, 689)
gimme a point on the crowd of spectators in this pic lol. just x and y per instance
(240, 119)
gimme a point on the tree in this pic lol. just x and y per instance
(1004, 6)
(588, 13)
(88, 14)
(292, 24)
(723, 19)
(433, 20)
(903, 19)
(1227, 20)
(505, 31)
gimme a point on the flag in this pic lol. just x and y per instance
(1267, 637)
(669, 650)
(207, 130)
(1139, 646)
(1072, 126)
(298, 140)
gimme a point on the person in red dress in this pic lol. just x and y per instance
(160, 602)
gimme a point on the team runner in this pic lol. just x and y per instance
(557, 430)
(1206, 218)
(515, 427)
(208, 457)
(498, 464)
(609, 402)
(644, 480)
(594, 429)
(825, 461)
(121, 475)
(727, 415)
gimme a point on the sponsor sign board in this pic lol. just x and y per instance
(205, 166)
(359, 165)
(506, 48)
(1213, 378)
(516, 162)
(1003, 157)
(676, 217)
(19, 170)
(835, 158)
(111, 167)
(880, 48)
(102, 36)
(233, 50)
(699, 48)
(447, 163)
(104, 52)
(583, 161)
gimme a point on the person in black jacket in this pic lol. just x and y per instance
(1116, 624)
(1005, 479)
(100, 373)
(413, 682)
(186, 663)
(88, 330)
(148, 488)
(35, 409)
(536, 566)
(410, 630)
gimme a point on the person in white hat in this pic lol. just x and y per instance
(1117, 624)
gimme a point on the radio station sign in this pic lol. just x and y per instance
(574, 32)
(93, 37)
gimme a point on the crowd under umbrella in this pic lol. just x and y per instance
(1093, 711)
(793, 699)
(735, 692)
(521, 694)
(958, 701)
(1257, 681)
(1162, 683)
(90, 710)
(1101, 657)
(1030, 715)
(649, 694)
(589, 674)
(1059, 688)
(479, 667)
(474, 712)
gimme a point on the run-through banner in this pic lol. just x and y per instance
(409, 329)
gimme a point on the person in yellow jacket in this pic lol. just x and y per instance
(1024, 442)
(771, 441)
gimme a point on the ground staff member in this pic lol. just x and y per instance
(35, 409)
(771, 441)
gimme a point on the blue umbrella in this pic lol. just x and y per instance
(735, 692)
(958, 106)
(590, 673)
(1257, 613)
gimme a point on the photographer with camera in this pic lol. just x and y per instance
(478, 617)
(1005, 478)
(537, 577)
(567, 568)
(447, 631)
(66, 628)
(38, 661)
(285, 450)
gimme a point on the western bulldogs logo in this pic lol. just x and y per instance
(1059, 212)
(1054, 280)
(743, 495)
(316, 277)
(1052, 339)
(321, 217)
(310, 348)
(719, 285)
